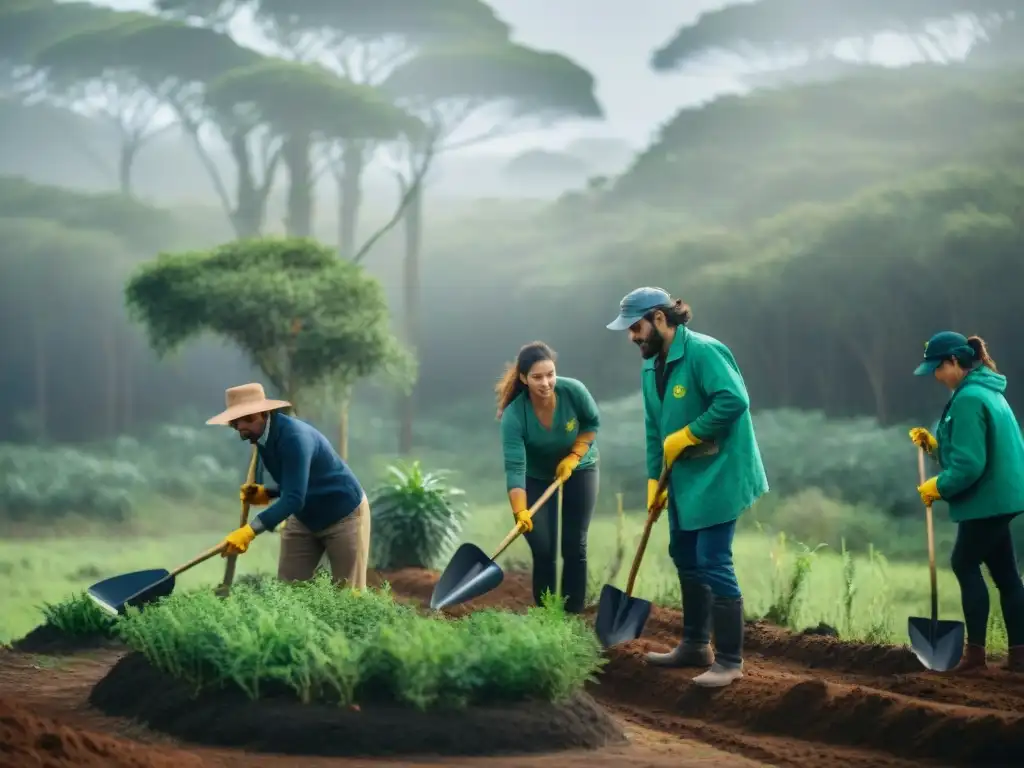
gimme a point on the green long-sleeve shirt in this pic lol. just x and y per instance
(533, 450)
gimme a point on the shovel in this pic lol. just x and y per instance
(232, 560)
(938, 644)
(117, 593)
(620, 616)
(471, 573)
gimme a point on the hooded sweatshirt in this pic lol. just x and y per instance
(981, 450)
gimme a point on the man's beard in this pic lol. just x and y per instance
(652, 345)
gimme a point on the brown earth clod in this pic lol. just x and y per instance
(48, 640)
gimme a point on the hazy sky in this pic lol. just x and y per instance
(614, 40)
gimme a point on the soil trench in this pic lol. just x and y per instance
(804, 701)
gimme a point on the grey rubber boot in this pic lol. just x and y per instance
(727, 615)
(694, 650)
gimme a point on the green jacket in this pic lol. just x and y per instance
(704, 389)
(981, 450)
(531, 449)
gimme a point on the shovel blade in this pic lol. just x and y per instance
(117, 593)
(937, 644)
(620, 618)
(469, 574)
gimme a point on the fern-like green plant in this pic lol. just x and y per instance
(417, 517)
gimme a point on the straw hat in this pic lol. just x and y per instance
(245, 401)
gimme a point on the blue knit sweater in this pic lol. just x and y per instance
(315, 484)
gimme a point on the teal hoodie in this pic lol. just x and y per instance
(981, 450)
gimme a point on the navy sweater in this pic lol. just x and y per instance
(315, 485)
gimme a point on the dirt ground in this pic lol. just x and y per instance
(803, 701)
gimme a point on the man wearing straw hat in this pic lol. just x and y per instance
(328, 510)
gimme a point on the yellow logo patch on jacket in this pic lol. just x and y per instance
(570, 425)
(678, 391)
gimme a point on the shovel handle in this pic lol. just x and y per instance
(929, 522)
(648, 525)
(514, 533)
(212, 552)
(232, 560)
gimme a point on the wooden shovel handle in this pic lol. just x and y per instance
(212, 552)
(514, 533)
(648, 525)
(232, 560)
(930, 523)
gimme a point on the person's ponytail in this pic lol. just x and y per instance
(981, 353)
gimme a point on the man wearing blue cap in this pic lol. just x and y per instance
(980, 451)
(695, 402)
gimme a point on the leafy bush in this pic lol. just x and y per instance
(343, 646)
(416, 518)
(78, 616)
(109, 480)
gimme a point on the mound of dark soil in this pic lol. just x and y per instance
(47, 639)
(134, 688)
(27, 739)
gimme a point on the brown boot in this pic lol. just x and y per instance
(1015, 659)
(973, 658)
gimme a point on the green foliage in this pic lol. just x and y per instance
(137, 225)
(321, 643)
(303, 316)
(78, 616)
(417, 518)
(531, 82)
(307, 98)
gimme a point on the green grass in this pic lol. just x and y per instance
(860, 593)
(342, 646)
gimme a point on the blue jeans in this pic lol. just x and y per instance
(705, 556)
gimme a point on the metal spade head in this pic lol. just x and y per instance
(620, 618)
(938, 644)
(131, 589)
(469, 574)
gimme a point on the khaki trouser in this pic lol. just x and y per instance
(346, 543)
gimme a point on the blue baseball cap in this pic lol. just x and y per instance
(940, 347)
(636, 304)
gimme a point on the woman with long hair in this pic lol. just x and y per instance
(980, 452)
(548, 427)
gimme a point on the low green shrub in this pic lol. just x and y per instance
(78, 616)
(340, 646)
(417, 518)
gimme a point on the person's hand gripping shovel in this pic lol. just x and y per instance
(471, 573)
(224, 588)
(620, 616)
(938, 644)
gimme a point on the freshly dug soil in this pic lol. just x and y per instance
(28, 740)
(134, 688)
(47, 639)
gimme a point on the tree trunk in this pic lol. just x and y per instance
(296, 157)
(247, 218)
(41, 369)
(129, 149)
(350, 197)
(343, 411)
(111, 376)
(127, 384)
(411, 295)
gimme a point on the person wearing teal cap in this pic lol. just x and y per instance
(697, 420)
(980, 452)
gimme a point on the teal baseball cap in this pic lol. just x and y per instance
(940, 347)
(636, 304)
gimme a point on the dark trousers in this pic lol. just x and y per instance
(988, 541)
(579, 496)
(705, 557)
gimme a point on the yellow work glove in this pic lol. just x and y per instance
(568, 464)
(523, 519)
(678, 442)
(656, 502)
(254, 494)
(238, 541)
(929, 491)
(922, 438)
